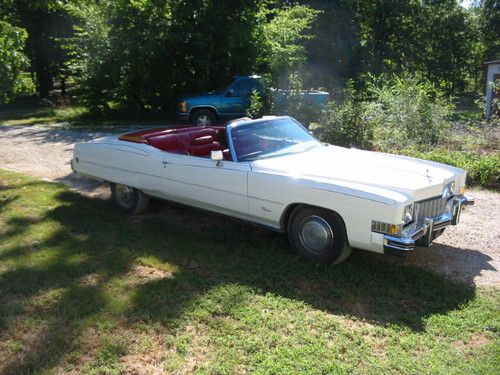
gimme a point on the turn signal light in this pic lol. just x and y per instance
(394, 229)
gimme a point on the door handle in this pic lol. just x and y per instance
(166, 162)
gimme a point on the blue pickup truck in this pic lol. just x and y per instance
(233, 101)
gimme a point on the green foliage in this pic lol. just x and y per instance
(349, 123)
(410, 111)
(283, 40)
(482, 169)
(495, 102)
(489, 20)
(144, 55)
(48, 24)
(12, 62)
(256, 108)
(395, 110)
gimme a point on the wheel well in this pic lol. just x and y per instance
(194, 110)
(291, 208)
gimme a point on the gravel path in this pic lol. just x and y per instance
(469, 252)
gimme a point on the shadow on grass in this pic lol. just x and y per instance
(209, 251)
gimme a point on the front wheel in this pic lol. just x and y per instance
(319, 235)
(129, 199)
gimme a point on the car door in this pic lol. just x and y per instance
(237, 98)
(203, 183)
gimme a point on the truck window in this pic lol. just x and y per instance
(244, 87)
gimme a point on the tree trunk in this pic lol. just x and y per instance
(63, 86)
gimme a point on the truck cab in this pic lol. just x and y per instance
(220, 105)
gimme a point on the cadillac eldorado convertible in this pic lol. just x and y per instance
(272, 171)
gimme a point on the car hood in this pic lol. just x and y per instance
(365, 170)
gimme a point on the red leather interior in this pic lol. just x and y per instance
(187, 141)
(227, 154)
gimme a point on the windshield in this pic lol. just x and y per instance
(271, 138)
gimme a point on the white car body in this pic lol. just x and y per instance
(365, 188)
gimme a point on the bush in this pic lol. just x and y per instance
(349, 123)
(412, 111)
(392, 112)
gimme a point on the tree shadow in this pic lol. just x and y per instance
(209, 251)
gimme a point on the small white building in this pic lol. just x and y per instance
(492, 69)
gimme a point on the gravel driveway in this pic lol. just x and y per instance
(469, 252)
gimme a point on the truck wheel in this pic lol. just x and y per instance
(129, 199)
(319, 235)
(203, 117)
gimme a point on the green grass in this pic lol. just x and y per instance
(84, 288)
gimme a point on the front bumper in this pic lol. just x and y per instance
(423, 232)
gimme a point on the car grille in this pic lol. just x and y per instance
(430, 208)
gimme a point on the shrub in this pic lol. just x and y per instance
(392, 112)
(412, 111)
(349, 123)
(256, 108)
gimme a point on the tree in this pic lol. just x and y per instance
(12, 60)
(490, 28)
(144, 54)
(48, 24)
(283, 37)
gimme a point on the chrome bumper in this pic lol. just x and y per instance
(422, 233)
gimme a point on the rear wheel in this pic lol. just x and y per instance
(319, 235)
(203, 117)
(129, 199)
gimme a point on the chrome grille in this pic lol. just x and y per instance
(431, 208)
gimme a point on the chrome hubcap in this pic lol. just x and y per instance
(203, 120)
(316, 234)
(124, 195)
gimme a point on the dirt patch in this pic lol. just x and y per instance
(143, 274)
(143, 364)
(476, 341)
(89, 280)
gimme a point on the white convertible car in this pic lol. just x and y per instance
(273, 172)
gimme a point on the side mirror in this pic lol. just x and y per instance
(217, 156)
(230, 92)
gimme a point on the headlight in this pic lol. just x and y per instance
(408, 213)
(183, 106)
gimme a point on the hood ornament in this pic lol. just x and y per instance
(449, 190)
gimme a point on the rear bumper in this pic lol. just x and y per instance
(423, 233)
